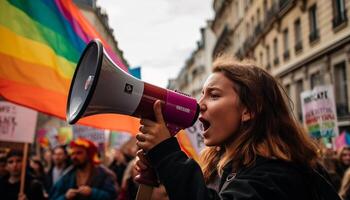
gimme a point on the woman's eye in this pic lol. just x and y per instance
(214, 96)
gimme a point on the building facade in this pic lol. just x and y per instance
(192, 76)
(303, 43)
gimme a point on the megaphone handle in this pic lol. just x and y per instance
(173, 129)
(147, 177)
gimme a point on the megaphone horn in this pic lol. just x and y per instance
(100, 86)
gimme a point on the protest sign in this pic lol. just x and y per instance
(17, 123)
(319, 112)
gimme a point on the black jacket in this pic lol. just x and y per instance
(269, 179)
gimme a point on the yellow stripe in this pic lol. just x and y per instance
(34, 52)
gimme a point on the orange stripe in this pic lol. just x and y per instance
(53, 103)
(186, 145)
(32, 74)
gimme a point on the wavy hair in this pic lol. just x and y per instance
(272, 132)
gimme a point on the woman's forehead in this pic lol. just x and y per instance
(217, 80)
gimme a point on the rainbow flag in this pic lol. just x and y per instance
(40, 45)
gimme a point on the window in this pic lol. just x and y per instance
(339, 13)
(316, 79)
(314, 35)
(286, 44)
(265, 8)
(275, 52)
(261, 58)
(340, 89)
(299, 89)
(297, 34)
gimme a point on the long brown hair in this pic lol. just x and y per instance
(272, 132)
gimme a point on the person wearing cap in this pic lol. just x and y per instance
(87, 179)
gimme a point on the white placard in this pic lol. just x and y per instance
(319, 112)
(17, 123)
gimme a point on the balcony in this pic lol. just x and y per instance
(314, 36)
(276, 61)
(283, 3)
(340, 19)
(298, 46)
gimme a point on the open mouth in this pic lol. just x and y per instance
(205, 123)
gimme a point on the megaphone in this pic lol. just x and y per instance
(99, 86)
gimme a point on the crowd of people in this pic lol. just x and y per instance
(255, 150)
(72, 171)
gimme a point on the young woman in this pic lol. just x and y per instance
(256, 149)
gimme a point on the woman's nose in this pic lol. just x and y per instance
(202, 106)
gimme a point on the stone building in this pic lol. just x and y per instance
(303, 43)
(192, 76)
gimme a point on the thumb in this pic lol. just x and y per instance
(157, 108)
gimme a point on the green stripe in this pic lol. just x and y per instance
(21, 24)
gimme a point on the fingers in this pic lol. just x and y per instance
(157, 108)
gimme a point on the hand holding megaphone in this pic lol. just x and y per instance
(101, 86)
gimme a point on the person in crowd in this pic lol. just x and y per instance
(343, 161)
(3, 171)
(344, 191)
(118, 165)
(129, 186)
(37, 169)
(10, 184)
(255, 146)
(329, 163)
(47, 158)
(60, 166)
(87, 180)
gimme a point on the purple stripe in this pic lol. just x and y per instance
(75, 26)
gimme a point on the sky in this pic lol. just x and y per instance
(158, 35)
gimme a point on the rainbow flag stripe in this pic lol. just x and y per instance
(40, 45)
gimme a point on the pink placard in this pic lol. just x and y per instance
(17, 123)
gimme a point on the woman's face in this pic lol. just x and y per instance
(220, 110)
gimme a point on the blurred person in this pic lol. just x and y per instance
(343, 161)
(10, 185)
(47, 157)
(87, 180)
(255, 146)
(37, 168)
(344, 191)
(60, 166)
(129, 186)
(3, 171)
(118, 165)
(329, 163)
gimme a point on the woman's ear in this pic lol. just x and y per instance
(246, 115)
